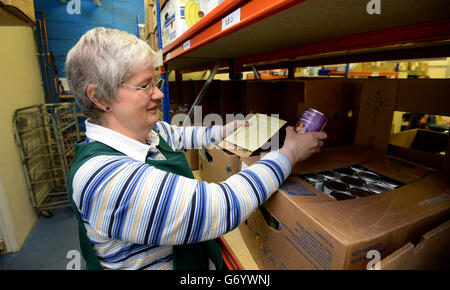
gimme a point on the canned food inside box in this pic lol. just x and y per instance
(350, 182)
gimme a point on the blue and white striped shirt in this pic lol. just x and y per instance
(134, 213)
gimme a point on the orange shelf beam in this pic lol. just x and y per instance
(415, 33)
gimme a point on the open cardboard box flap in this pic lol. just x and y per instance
(430, 253)
(327, 158)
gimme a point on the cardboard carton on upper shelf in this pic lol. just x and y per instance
(378, 66)
(149, 26)
(211, 4)
(318, 232)
(177, 16)
(24, 9)
(152, 5)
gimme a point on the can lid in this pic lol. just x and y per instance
(391, 183)
(330, 174)
(344, 171)
(352, 180)
(369, 176)
(341, 195)
(360, 192)
(334, 185)
(315, 111)
(378, 187)
(315, 177)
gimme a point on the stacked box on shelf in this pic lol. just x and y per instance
(24, 9)
(177, 16)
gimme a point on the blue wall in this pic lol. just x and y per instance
(64, 30)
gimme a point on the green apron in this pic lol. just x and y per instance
(185, 257)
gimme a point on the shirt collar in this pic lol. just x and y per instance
(122, 143)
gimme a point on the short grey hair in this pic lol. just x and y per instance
(106, 58)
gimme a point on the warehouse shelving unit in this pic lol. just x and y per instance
(293, 33)
(239, 36)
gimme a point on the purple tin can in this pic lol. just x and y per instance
(311, 121)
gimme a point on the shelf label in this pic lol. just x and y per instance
(187, 44)
(231, 19)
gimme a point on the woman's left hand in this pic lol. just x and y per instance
(232, 126)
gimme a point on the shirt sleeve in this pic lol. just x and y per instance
(121, 198)
(189, 137)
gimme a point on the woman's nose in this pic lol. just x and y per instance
(157, 94)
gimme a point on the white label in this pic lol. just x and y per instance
(187, 45)
(231, 19)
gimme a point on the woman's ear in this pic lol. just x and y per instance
(90, 92)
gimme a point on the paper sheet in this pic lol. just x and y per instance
(261, 129)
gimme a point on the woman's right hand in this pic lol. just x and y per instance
(298, 147)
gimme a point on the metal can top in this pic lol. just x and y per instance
(344, 171)
(334, 185)
(352, 181)
(369, 176)
(315, 177)
(392, 184)
(378, 187)
(341, 196)
(357, 168)
(330, 174)
(315, 111)
(360, 192)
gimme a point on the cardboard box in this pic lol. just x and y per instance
(290, 98)
(378, 66)
(232, 95)
(262, 97)
(302, 228)
(315, 231)
(378, 99)
(325, 95)
(177, 16)
(176, 92)
(187, 92)
(192, 158)
(24, 9)
(211, 4)
(216, 165)
(152, 3)
(430, 253)
(149, 21)
(423, 96)
(420, 146)
(210, 102)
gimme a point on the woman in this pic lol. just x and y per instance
(138, 203)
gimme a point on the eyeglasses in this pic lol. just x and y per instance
(148, 89)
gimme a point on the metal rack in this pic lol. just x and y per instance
(46, 136)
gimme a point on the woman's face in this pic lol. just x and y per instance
(136, 109)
